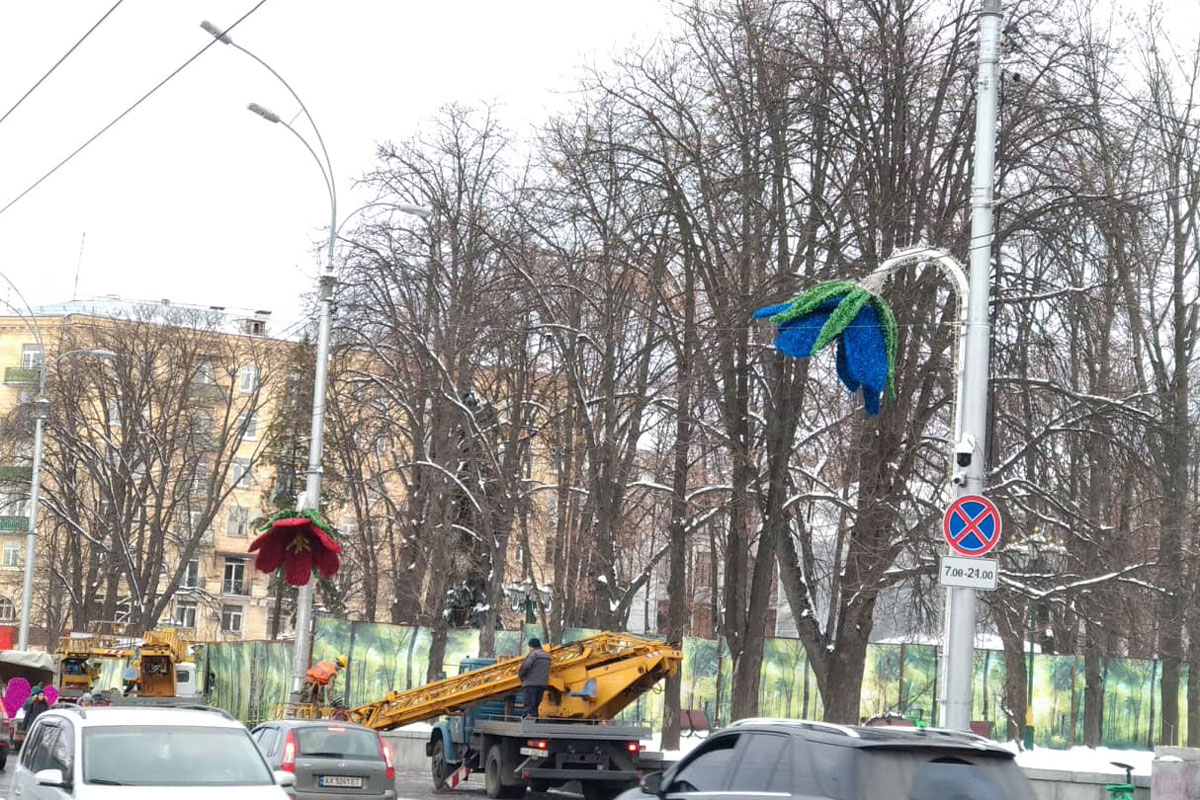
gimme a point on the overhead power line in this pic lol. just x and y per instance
(126, 112)
(65, 55)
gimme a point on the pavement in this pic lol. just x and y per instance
(6, 775)
(418, 786)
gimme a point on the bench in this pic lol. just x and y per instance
(693, 722)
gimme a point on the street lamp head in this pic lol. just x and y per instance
(417, 211)
(265, 113)
(216, 32)
(107, 355)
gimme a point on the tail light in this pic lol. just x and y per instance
(633, 747)
(386, 752)
(289, 754)
(539, 744)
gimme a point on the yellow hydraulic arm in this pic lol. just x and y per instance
(592, 678)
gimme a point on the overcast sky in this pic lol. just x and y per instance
(194, 198)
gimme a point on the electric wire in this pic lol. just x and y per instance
(65, 55)
(126, 112)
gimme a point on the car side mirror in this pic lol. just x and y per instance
(51, 777)
(285, 779)
(652, 783)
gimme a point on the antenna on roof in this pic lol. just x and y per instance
(78, 264)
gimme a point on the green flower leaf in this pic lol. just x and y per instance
(841, 317)
(806, 302)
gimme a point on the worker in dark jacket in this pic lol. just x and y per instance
(535, 676)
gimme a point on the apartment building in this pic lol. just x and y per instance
(214, 592)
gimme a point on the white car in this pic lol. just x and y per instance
(132, 752)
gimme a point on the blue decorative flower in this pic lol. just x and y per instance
(860, 322)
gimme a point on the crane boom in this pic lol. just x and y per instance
(592, 678)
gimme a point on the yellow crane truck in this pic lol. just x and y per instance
(573, 738)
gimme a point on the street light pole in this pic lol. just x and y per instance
(960, 606)
(41, 405)
(311, 499)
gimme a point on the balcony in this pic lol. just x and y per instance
(203, 392)
(16, 474)
(19, 375)
(14, 524)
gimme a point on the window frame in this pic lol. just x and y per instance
(194, 583)
(709, 746)
(180, 619)
(251, 371)
(10, 547)
(243, 477)
(36, 350)
(228, 584)
(231, 609)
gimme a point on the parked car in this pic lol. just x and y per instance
(792, 758)
(331, 760)
(133, 752)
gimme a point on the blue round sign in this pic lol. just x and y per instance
(972, 525)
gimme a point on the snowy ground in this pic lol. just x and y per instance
(1086, 759)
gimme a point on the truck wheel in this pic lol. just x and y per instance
(493, 783)
(438, 768)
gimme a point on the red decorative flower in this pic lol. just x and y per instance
(299, 542)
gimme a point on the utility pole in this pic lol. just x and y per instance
(959, 640)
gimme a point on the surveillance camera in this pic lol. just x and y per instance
(964, 450)
(959, 478)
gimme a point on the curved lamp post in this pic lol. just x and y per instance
(41, 405)
(858, 319)
(311, 500)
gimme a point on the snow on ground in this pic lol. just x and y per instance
(686, 744)
(1086, 759)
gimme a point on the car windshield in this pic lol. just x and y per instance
(338, 741)
(155, 755)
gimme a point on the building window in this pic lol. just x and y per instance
(239, 521)
(231, 619)
(185, 614)
(235, 577)
(114, 412)
(248, 427)
(31, 356)
(200, 478)
(206, 372)
(190, 579)
(241, 473)
(8, 612)
(248, 379)
(12, 554)
(200, 429)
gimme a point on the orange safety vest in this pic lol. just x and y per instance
(322, 673)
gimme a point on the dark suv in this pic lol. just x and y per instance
(794, 758)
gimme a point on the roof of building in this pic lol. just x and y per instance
(233, 320)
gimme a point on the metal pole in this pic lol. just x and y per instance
(960, 627)
(35, 485)
(302, 647)
(1027, 734)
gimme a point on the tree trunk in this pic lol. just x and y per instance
(1093, 691)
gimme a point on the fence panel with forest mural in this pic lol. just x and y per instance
(249, 679)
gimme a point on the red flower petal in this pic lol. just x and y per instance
(298, 566)
(270, 556)
(326, 540)
(261, 540)
(327, 561)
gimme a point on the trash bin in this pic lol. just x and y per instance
(1121, 791)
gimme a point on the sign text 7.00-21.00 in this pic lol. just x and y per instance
(968, 573)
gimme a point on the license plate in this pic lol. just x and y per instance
(533, 751)
(341, 781)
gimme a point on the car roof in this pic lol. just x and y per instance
(165, 716)
(890, 737)
(315, 723)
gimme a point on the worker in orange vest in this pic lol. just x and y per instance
(318, 682)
